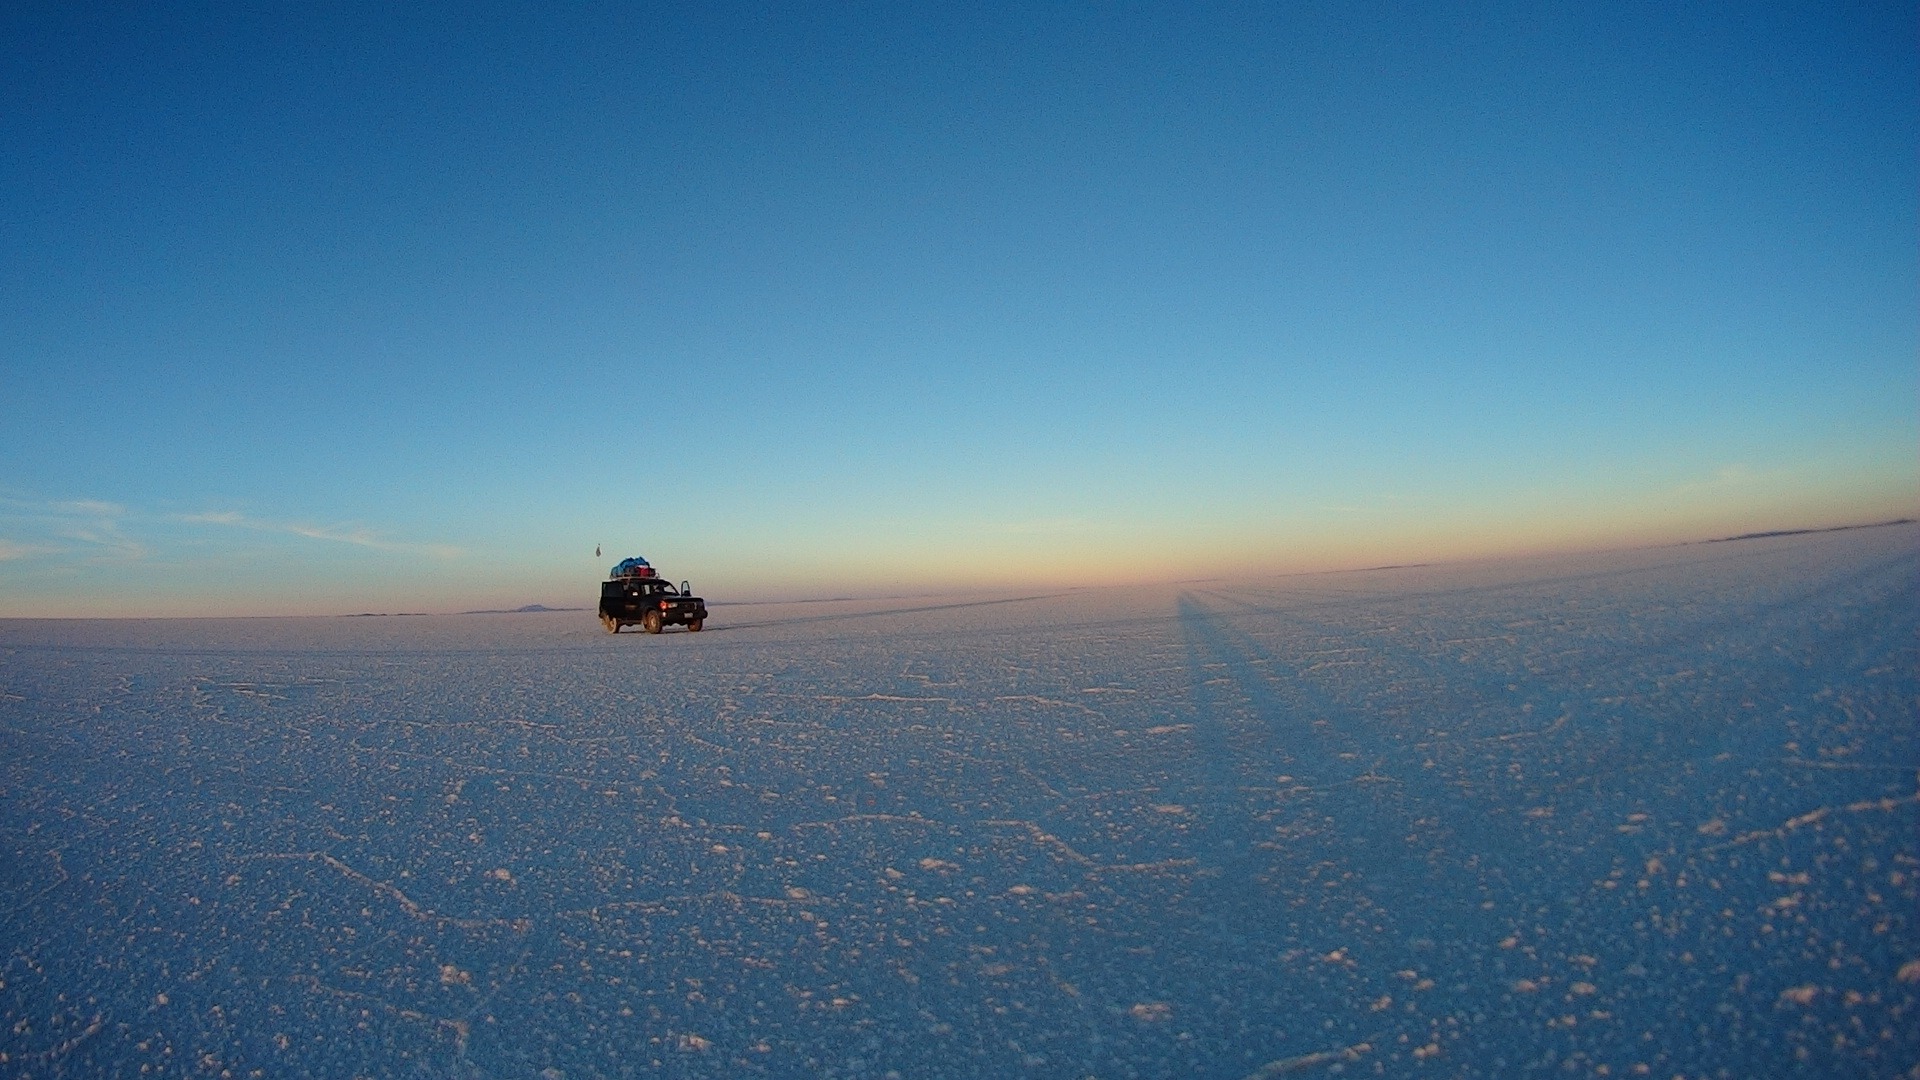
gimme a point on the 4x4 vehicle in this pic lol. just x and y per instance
(634, 595)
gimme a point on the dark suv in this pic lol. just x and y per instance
(635, 594)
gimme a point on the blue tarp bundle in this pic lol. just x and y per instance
(631, 568)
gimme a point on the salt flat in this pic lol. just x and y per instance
(1651, 812)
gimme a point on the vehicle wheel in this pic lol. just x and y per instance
(612, 624)
(694, 626)
(651, 622)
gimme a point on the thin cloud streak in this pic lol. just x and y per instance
(359, 537)
(94, 529)
(94, 523)
(98, 508)
(11, 550)
(1038, 527)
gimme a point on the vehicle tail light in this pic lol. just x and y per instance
(663, 605)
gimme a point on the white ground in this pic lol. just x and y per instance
(1644, 813)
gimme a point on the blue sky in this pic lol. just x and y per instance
(337, 308)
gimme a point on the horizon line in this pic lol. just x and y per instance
(537, 608)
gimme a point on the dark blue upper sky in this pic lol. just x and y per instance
(313, 305)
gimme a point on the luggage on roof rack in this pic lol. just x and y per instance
(631, 568)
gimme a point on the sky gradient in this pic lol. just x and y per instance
(331, 308)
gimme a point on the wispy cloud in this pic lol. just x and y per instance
(96, 529)
(68, 526)
(89, 508)
(1037, 527)
(12, 550)
(220, 517)
(1728, 479)
(357, 536)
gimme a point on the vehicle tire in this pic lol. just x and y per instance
(612, 624)
(650, 622)
(694, 626)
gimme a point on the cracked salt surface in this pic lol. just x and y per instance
(1642, 814)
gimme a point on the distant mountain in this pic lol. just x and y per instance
(524, 610)
(1804, 532)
